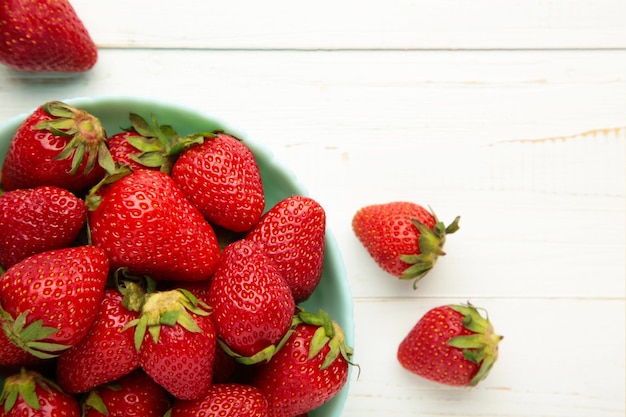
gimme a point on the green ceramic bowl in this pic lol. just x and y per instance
(333, 293)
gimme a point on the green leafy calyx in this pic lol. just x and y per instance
(87, 136)
(329, 333)
(32, 337)
(23, 385)
(480, 347)
(159, 145)
(431, 243)
(167, 308)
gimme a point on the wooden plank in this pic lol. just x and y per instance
(352, 24)
(431, 96)
(471, 134)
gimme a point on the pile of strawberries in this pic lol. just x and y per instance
(146, 263)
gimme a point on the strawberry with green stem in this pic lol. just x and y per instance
(57, 145)
(28, 393)
(48, 301)
(308, 370)
(175, 339)
(451, 344)
(150, 145)
(403, 238)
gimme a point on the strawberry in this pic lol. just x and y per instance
(309, 369)
(37, 220)
(49, 300)
(28, 393)
(176, 341)
(252, 305)
(224, 400)
(57, 145)
(222, 179)
(122, 150)
(146, 225)
(451, 344)
(149, 146)
(402, 237)
(134, 395)
(107, 351)
(44, 36)
(292, 233)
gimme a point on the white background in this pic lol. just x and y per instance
(511, 114)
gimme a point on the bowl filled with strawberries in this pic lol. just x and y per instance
(152, 248)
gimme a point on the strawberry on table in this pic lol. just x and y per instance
(106, 353)
(309, 369)
(222, 179)
(145, 224)
(451, 344)
(57, 145)
(44, 36)
(402, 237)
(224, 400)
(134, 395)
(37, 220)
(28, 393)
(49, 300)
(252, 305)
(292, 233)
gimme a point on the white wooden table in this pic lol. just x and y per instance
(509, 113)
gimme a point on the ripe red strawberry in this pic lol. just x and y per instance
(106, 353)
(37, 220)
(222, 179)
(49, 300)
(44, 36)
(451, 344)
(252, 305)
(224, 400)
(309, 370)
(292, 233)
(145, 224)
(28, 393)
(134, 395)
(57, 145)
(402, 237)
(176, 341)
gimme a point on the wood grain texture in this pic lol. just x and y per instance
(511, 114)
(353, 24)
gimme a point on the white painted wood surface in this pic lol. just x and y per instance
(511, 114)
